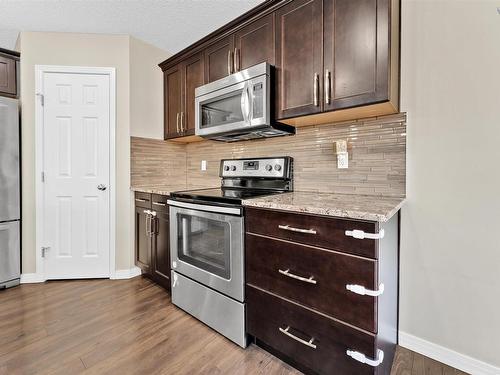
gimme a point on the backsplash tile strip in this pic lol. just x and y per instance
(376, 146)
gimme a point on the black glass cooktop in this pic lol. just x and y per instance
(226, 195)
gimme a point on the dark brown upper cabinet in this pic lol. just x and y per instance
(8, 84)
(219, 59)
(335, 60)
(180, 82)
(255, 43)
(193, 77)
(356, 53)
(299, 41)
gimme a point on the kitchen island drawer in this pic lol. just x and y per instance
(314, 277)
(318, 343)
(327, 232)
(142, 199)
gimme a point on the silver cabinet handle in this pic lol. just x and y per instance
(360, 235)
(316, 90)
(309, 280)
(140, 200)
(327, 86)
(159, 204)
(360, 357)
(182, 122)
(101, 187)
(236, 60)
(292, 229)
(306, 343)
(177, 124)
(229, 62)
(361, 290)
(148, 223)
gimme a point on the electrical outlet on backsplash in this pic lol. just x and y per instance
(376, 146)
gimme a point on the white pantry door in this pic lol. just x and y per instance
(76, 121)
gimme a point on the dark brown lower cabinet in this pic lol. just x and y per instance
(160, 250)
(314, 303)
(152, 237)
(142, 241)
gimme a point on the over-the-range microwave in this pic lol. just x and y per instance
(238, 107)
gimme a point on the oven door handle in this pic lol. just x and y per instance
(207, 208)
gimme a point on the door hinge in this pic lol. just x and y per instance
(44, 251)
(42, 98)
(43, 176)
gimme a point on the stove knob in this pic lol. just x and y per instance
(233, 168)
(226, 168)
(277, 167)
(269, 167)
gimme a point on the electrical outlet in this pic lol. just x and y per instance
(342, 160)
(203, 165)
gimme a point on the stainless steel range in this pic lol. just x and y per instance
(207, 241)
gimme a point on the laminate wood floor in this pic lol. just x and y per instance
(129, 327)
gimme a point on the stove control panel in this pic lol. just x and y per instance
(279, 167)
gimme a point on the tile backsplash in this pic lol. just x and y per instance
(376, 146)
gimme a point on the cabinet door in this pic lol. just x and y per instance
(193, 77)
(254, 43)
(142, 241)
(161, 250)
(8, 76)
(219, 59)
(172, 94)
(356, 52)
(299, 52)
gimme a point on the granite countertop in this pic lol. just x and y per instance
(362, 207)
(159, 189)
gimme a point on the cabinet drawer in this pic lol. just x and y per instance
(269, 316)
(274, 265)
(159, 203)
(142, 199)
(313, 230)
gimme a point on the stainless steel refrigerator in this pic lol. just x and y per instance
(10, 194)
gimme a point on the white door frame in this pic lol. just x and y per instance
(40, 70)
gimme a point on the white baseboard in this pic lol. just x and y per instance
(127, 274)
(447, 356)
(30, 278)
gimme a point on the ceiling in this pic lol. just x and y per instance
(168, 24)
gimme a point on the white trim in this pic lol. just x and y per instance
(29, 278)
(127, 274)
(447, 356)
(39, 71)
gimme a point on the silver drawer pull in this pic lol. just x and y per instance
(159, 204)
(292, 229)
(306, 343)
(361, 235)
(361, 290)
(140, 200)
(309, 280)
(360, 357)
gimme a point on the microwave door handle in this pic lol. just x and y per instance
(250, 103)
(244, 102)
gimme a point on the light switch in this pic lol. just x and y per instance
(203, 165)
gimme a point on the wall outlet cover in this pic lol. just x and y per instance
(343, 160)
(203, 165)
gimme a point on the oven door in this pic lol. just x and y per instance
(206, 245)
(241, 107)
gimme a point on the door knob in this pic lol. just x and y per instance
(101, 187)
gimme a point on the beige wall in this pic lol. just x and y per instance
(146, 90)
(83, 50)
(450, 252)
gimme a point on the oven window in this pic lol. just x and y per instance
(205, 243)
(222, 110)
